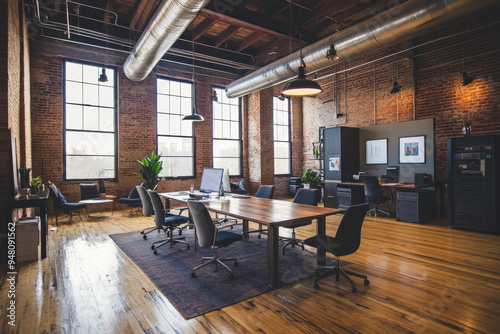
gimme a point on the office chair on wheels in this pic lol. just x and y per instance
(133, 201)
(264, 191)
(303, 196)
(373, 194)
(147, 209)
(166, 222)
(210, 236)
(346, 241)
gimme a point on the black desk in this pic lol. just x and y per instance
(22, 202)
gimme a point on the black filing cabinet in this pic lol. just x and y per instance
(415, 207)
(474, 183)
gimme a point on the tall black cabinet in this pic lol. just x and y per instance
(473, 183)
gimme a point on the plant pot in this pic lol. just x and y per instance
(466, 131)
(307, 186)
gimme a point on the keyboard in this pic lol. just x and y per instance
(198, 195)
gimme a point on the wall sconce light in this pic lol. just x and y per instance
(467, 79)
(396, 88)
(281, 97)
(331, 54)
(103, 77)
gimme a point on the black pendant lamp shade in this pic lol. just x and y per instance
(396, 88)
(301, 86)
(103, 77)
(193, 117)
(331, 54)
(467, 79)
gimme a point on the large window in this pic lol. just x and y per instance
(89, 122)
(227, 132)
(282, 144)
(175, 139)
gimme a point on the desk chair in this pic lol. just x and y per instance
(210, 236)
(373, 194)
(133, 201)
(89, 191)
(60, 203)
(264, 191)
(303, 196)
(346, 241)
(147, 208)
(166, 222)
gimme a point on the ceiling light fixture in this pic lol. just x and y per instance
(281, 97)
(467, 79)
(103, 77)
(194, 116)
(214, 96)
(331, 54)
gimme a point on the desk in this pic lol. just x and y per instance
(33, 202)
(271, 213)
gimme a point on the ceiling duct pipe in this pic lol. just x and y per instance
(399, 23)
(170, 20)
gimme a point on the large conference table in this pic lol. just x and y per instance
(269, 212)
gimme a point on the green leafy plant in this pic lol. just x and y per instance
(150, 169)
(36, 182)
(311, 177)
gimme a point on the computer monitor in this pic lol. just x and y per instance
(392, 174)
(211, 180)
(226, 184)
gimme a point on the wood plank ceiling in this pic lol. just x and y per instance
(229, 37)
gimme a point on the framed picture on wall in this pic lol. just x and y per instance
(412, 150)
(376, 151)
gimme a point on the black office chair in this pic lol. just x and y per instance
(373, 194)
(89, 191)
(210, 236)
(303, 196)
(133, 201)
(147, 208)
(264, 191)
(60, 203)
(346, 241)
(166, 222)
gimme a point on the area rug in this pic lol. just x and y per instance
(170, 270)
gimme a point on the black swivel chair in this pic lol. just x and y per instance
(147, 208)
(264, 191)
(346, 241)
(373, 194)
(210, 236)
(133, 201)
(60, 203)
(303, 196)
(166, 222)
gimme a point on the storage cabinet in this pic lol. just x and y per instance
(473, 183)
(27, 239)
(341, 153)
(415, 207)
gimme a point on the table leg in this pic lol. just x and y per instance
(245, 229)
(321, 230)
(273, 256)
(43, 231)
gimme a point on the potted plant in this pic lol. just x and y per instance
(467, 126)
(150, 169)
(36, 184)
(24, 179)
(310, 179)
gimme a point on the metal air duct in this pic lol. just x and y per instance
(399, 23)
(167, 24)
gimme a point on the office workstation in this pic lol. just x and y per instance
(410, 88)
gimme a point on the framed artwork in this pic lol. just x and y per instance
(412, 150)
(376, 151)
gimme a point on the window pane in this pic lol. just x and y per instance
(73, 92)
(95, 167)
(73, 71)
(282, 144)
(232, 163)
(177, 166)
(89, 143)
(226, 148)
(90, 94)
(106, 97)
(74, 117)
(107, 119)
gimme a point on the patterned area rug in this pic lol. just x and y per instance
(170, 270)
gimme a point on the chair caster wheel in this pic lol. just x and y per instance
(354, 290)
(155, 252)
(366, 282)
(193, 274)
(316, 285)
(236, 263)
(153, 247)
(231, 276)
(187, 247)
(142, 232)
(259, 237)
(144, 237)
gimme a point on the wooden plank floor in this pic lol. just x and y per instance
(425, 278)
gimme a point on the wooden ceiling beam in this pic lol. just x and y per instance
(226, 34)
(203, 27)
(247, 42)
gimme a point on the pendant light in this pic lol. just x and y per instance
(103, 77)
(301, 86)
(194, 116)
(467, 79)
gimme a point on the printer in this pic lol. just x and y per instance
(422, 178)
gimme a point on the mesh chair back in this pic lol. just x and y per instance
(159, 209)
(349, 231)
(372, 189)
(147, 206)
(88, 191)
(265, 192)
(306, 196)
(205, 229)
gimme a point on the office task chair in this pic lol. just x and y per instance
(89, 191)
(264, 191)
(61, 204)
(303, 196)
(133, 201)
(147, 208)
(210, 236)
(346, 241)
(373, 194)
(166, 222)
